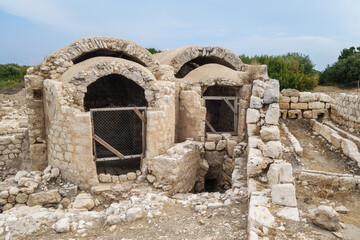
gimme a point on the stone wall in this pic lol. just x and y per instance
(295, 104)
(14, 138)
(346, 110)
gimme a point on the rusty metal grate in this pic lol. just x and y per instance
(118, 133)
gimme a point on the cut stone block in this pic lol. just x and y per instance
(270, 133)
(284, 194)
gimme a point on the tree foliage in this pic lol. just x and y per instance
(293, 70)
(12, 74)
(153, 50)
(345, 72)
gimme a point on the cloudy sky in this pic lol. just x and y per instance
(32, 29)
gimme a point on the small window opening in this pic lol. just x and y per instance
(37, 94)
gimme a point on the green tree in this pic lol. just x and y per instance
(293, 70)
(12, 74)
(345, 72)
(153, 50)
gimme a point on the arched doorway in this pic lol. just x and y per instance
(118, 113)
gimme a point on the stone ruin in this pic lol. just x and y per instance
(103, 112)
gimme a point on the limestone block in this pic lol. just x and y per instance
(260, 216)
(83, 201)
(350, 149)
(325, 217)
(230, 146)
(134, 213)
(299, 106)
(316, 105)
(336, 140)
(104, 178)
(290, 213)
(255, 161)
(212, 137)
(284, 194)
(258, 88)
(131, 176)
(280, 172)
(294, 114)
(284, 105)
(270, 133)
(308, 114)
(323, 97)
(253, 130)
(290, 92)
(252, 116)
(273, 114)
(21, 198)
(318, 112)
(272, 149)
(294, 99)
(255, 102)
(62, 225)
(254, 142)
(307, 97)
(70, 191)
(43, 198)
(210, 146)
(284, 99)
(283, 114)
(221, 145)
(271, 94)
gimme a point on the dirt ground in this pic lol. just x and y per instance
(319, 155)
(333, 91)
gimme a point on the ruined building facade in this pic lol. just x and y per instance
(180, 116)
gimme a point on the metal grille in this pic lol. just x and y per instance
(221, 114)
(121, 129)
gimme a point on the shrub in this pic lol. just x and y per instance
(293, 70)
(12, 74)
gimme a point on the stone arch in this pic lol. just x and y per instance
(90, 47)
(198, 56)
(80, 76)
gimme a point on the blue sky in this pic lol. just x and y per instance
(32, 29)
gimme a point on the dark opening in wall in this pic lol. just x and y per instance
(114, 91)
(221, 109)
(106, 53)
(118, 167)
(37, 94)
(197, 62)
(211, 185)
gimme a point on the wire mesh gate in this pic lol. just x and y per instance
(221, 114)
(118, 133)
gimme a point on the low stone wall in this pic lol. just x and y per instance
(295, 104)
(346, 110)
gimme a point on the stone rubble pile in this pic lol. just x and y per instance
(295, 104)
(36, 188)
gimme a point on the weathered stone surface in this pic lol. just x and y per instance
(104, 178)
(14, 191)
(212, 137)
(179, 167)
(230, 146)
(273, 114)
(21, 198)
(62, 225)
(19, 175)
(252, 116)
(342, 209)
(134, 214)
(4, 194)
(323, 97)
(290, 92)
(255, 102)
(316, 105)
(284, 194)
(295, 114)
(299, 106)
(336, 140)
(131, 176)
(221, 145)
(271, 94)
(307, 114)
(294, 99)
(291, 213)
(272, 149)
(83, 201)
(284, 105)
(99, 189)
(260, 217)
(255, 162)
(270, 133)
(280, 172)
(258, 88)
(350, 149)
(325, 217)
(42, 198)
(307, 97)
(68, 191)
(210, 146)
(284, 99)
(151, 178)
